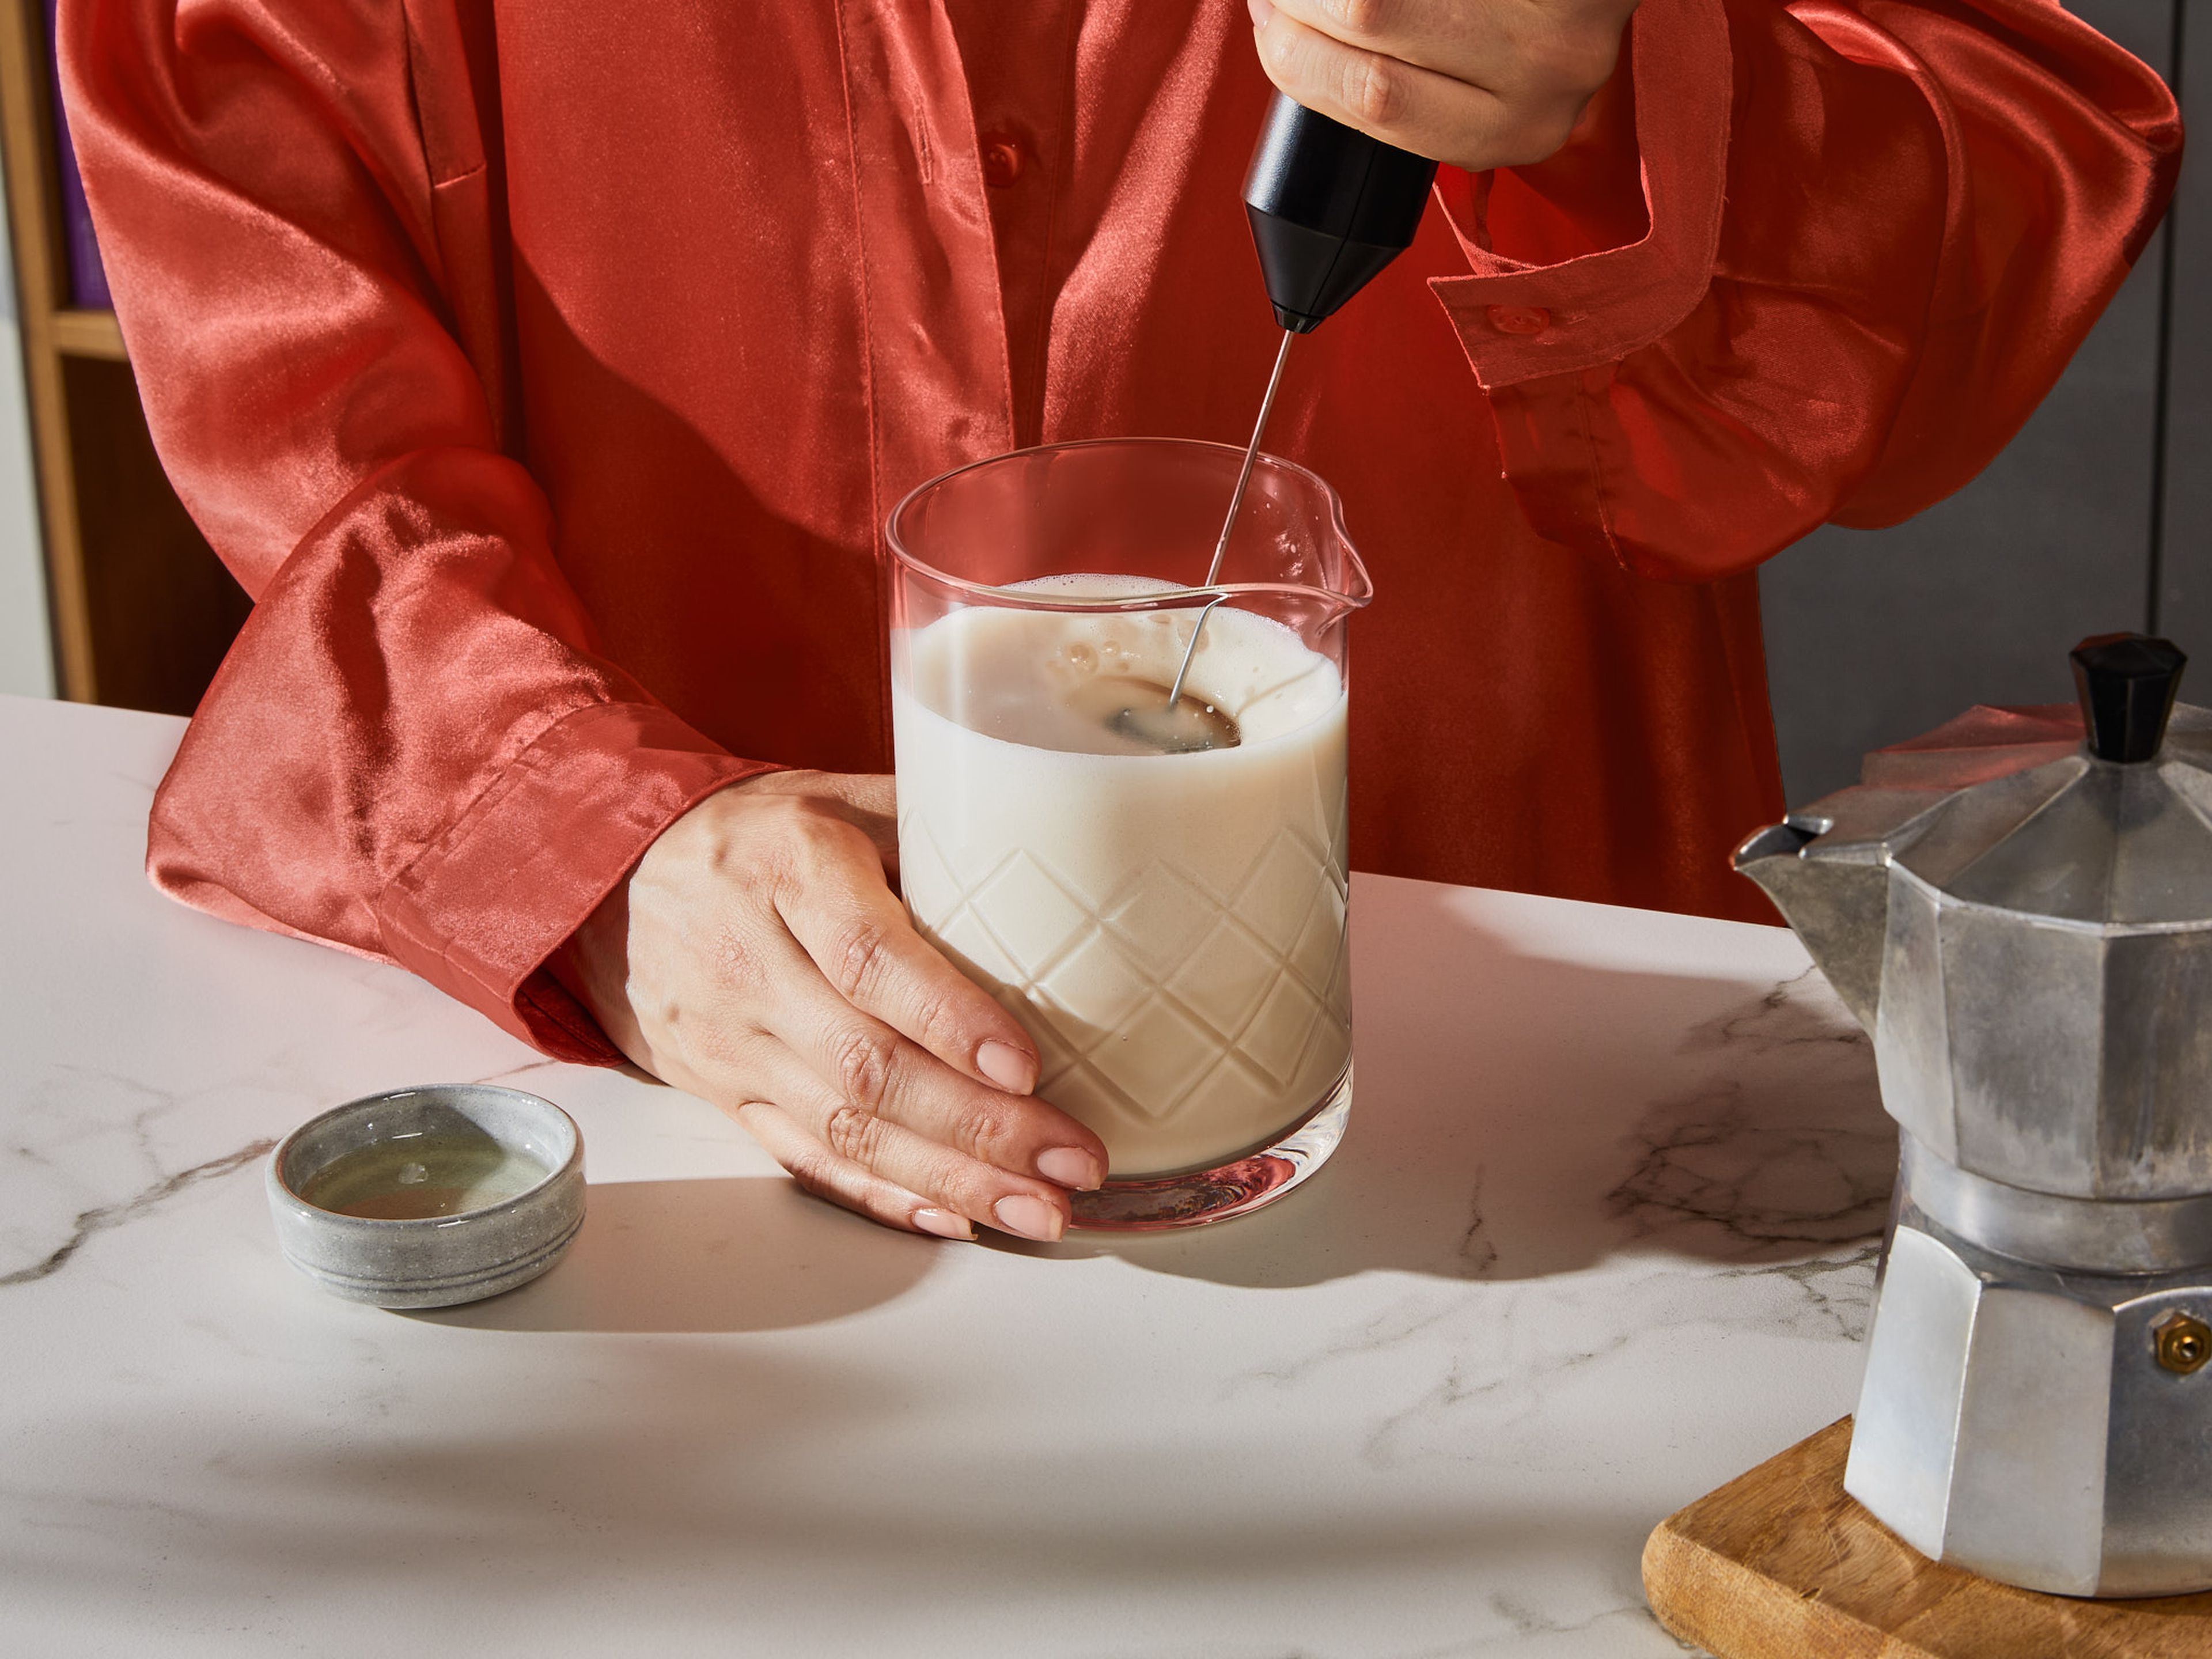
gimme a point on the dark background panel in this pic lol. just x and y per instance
(1875, 636)
(2184, 608)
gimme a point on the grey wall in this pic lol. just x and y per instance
(2097, 517)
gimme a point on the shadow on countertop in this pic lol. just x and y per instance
(1516, 1116)
(743, 1253)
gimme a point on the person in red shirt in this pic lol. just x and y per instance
(545, 369)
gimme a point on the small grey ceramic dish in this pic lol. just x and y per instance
(517, 1203)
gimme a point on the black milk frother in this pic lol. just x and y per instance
(1330, 207)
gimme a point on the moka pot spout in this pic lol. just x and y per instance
(1837, 903)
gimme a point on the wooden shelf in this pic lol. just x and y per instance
(142, 610)
(89, 334)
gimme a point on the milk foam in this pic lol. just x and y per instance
(1170, 928)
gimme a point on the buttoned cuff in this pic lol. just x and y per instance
(1520, 322)
(485, 906)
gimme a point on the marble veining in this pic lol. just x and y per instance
(1601, 1237)
(1478, 1253)
(1776, 1146)
(102, 1217)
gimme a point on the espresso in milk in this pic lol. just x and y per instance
(1169, 927)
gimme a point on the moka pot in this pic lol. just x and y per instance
(2018, 907)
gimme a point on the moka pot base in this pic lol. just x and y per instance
(1781, 1562)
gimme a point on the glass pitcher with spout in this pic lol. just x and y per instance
(1156, 890)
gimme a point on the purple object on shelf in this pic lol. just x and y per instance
(87, 278)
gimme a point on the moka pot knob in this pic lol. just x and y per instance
(2126, 683)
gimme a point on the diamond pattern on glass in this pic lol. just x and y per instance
(1056, 1057)
(1159, 915)
(1036, 918)
(929, 887)
(969, 944)
(1256, 1006)
(1225, 979)
(1277, 1036)
(1234, 1089)
(1337, 996)
(1096, 982)
(1157, 1058)
(1083, 1093)
(1278, 893)
(1321, 941)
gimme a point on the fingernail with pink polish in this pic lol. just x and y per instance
(1007, 1066)
(1030, 1217)
(943, 1223)
(1069, 1167)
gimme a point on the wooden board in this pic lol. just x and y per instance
(1779, 1563)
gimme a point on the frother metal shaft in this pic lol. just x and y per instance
(1235, 501)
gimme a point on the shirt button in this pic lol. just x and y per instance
(1520, 320)
(1002, 159)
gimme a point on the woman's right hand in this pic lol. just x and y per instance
(758, 957)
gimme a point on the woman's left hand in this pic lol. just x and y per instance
(1480, 84)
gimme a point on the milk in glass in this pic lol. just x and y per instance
(1169, 927)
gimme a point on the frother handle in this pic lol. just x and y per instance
(1329, 208)
(2126, 683)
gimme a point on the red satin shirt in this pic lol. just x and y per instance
(545, 368)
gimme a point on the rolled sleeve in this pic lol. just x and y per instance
(1520, 322)
(1874, 235)
(481, 910)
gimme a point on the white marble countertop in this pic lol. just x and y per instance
(1602, 1237)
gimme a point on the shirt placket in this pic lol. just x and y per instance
(1018, 59)
(940, 392)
